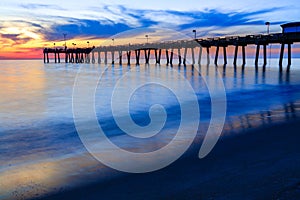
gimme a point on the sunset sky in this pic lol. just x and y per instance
(28, 26)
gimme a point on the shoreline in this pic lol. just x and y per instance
(78, 176)
(258, 164)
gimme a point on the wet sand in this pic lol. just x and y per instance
(259, 163)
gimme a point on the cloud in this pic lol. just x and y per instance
(106, 21)
(19, 23)
(16, 32)
(84, 28)
(15, 38)
(41, 6)
(116, 19)
(10, 36)
(220, 19)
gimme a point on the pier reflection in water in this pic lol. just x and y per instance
(283, 114)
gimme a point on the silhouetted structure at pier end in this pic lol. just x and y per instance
(78, 55)
(290, 34)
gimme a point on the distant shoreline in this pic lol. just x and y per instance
(21, 58)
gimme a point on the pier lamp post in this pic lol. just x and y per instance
(54, 45)
(147, 37)
(268, 32)
(74, 45)
(268, 27)
(88, 43)
(65, 35)
(113, 40)
(195, 32)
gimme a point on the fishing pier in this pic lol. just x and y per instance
(289, 36)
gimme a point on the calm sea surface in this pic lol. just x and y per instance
(36, 117)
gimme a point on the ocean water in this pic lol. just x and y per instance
(37, 119)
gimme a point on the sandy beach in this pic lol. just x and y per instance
(260, 163)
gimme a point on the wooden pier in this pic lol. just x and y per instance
(258, 40)
(78, 55)
(82, 55)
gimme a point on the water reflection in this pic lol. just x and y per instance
(21, 91)
(269, 86)
(285, 113)
(30, 91)
(33, 92)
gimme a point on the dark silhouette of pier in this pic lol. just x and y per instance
(78, 55)
(258, 40)
(287, 37)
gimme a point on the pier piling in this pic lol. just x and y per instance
(235, 54)
(265, 54)
(105, 57)
(208, 58)
(171, 57)
(281, 54)
(244, 54)
(184, 56)
(99, 57)
(257, 55)
(225, 55)
(137, 56)
(193, 56)
(200, 55)
(217, 55)
(93, 57)
(120, 57)
(289, 57)
(128, 57)
(179, 57)
(112, 57)
(167, 57)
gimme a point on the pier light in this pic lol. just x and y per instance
(268, 27)
(88, 43)
(113, 40)
(73, 44)
(54, 45)
(147, 37)
(195, 32)
(65, 35)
